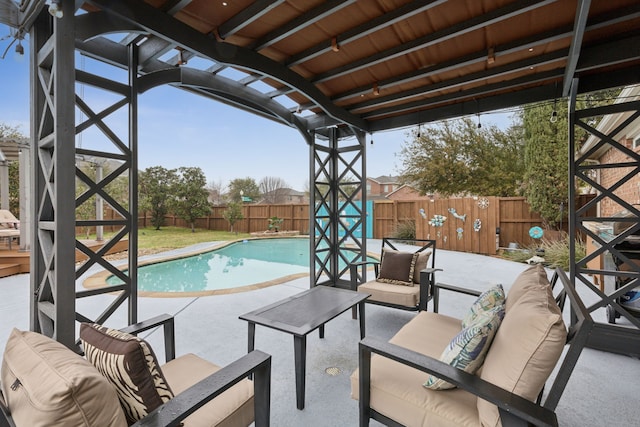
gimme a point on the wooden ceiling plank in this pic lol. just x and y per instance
(301, 22)
(156, 22)
(497, 15)
(370, 27)
(248, 15)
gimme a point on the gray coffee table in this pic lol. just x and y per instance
(300, 314)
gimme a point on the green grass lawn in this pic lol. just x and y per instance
(151, 240)
(177, 237)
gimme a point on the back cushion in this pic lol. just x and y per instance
(533, 277)
(46, 384)
(421, 263)
(526, 347)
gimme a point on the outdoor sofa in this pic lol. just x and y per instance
(505, 390)
(44, 383)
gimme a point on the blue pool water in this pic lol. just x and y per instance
(236, 265)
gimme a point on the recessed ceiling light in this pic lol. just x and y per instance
(530, 49)
(224, 3)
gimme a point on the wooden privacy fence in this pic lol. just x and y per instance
(489, 222)
(256, 219)
(498, 221)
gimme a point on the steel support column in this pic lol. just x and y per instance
(65, 189)
(338, 198)
(621, 338)
(52, 132)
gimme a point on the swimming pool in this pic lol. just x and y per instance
(250, 263)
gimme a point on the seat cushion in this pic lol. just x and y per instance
(397, 391)
(397, 267)
(130, 364)
(467, 350)
(408, 296)
(232, 408)
(526, 347)
(46, 384)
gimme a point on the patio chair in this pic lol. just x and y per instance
(9, 226)
(69, 390)
(411, 380)
(8, 220)
(403, 279)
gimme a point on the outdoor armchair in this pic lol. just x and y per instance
(393, 380)
(9, 226)
(403, 278)
(68, 390)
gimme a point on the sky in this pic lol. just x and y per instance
(177, 129)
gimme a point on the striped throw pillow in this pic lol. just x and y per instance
(130, 364)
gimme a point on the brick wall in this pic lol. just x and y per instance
(407, 193)
(629, 191)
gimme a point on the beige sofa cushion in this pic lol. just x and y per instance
(233, 408)
(397, 391)
(46, 384)
(534, 277)
(527, 346)
(407, 296)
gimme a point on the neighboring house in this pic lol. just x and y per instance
(285, 196)
(378, 188)
(407, 192)
(630, 138)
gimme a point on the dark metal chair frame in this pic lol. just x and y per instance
(427, 276)
(514, 410)
(186, 403)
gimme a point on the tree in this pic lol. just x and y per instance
(192, 198)
(156, 188)
(247, 186)
(14, 188)
(233, 214)
(216, 192)
(546, 185)
(8, 132)
(348, 187)
(456, 158)
(273, 189)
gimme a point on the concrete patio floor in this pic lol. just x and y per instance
(601, 391)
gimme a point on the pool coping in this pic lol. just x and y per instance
(99, 280)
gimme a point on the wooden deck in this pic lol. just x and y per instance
(16, 262)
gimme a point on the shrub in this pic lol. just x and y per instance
(556, 252)
(405, 230)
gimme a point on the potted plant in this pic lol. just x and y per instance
(275, 223)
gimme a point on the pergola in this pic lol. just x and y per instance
(333, 70)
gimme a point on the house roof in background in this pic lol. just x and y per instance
(385, 179)
(612, 121)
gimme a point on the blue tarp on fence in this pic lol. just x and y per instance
(349, 216)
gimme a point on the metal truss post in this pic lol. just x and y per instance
(338, 200)
(53, 254)
(66, 186)
(624, 337)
